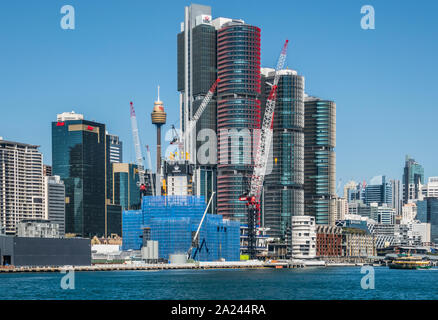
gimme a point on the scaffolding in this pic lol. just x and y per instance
(173, 221)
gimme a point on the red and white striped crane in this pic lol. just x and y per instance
(261, 159)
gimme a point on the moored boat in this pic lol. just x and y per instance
(410, 262)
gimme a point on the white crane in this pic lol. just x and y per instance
(150, 170)
(184, 140)
(138, 155)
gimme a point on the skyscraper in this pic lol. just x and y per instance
(427, 212)
(80, 158)
(284, 187)
(21, 184)
(413, 178)
(320, 159)
(238, 111)
(125, 191)
(115, 148)
(197, 55)
(378, 190)
(54, 194)
(396, 198)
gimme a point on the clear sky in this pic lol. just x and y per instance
(384, 81)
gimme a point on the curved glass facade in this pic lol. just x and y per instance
(284, 187)
(320, 161)
(238, 110)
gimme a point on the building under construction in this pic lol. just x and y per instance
(173, 222)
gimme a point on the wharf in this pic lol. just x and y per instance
(156, 267)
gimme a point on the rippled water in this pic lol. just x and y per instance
(286, 284)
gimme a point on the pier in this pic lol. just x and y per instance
(157, 267)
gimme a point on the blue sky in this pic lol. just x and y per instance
(383, 80)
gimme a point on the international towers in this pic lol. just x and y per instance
(230, 49)
(320, 159)
(283, 195)
(238, 112)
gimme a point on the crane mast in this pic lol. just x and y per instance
(150, 170)
(138, 154)
(261, 159)
(192, 123)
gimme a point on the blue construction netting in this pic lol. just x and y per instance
(173, 220)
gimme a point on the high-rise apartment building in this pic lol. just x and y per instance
(413, 178)
(320, 159)
(238, 112)
(284, 187)
(54, 202)
(21, 184)
(80, 158)
(197, 71)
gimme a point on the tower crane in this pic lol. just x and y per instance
(150, 169)
(192, 123)
(138, 155)
(261, 160)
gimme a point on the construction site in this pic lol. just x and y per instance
(214, 210)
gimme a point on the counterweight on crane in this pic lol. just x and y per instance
(261, 160)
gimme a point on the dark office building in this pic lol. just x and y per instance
(125, 190)
(320, 159)
(427, 212)
(238, 113)
(284, 187)
(197, 71)
(80, 158)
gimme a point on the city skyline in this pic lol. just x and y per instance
(99, 67)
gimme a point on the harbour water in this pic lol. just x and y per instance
(326, 283)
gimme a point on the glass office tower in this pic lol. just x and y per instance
(196, 47)
(427, 212)
(79, 157)
(413, 178)
(284, 187)
(320, 159)
(238, 112)
(379, 190)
